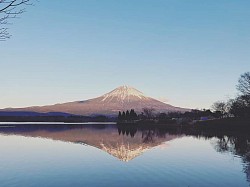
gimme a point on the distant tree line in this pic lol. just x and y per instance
(68, 119)
(191, 115)
(149, 115)
(131, 115)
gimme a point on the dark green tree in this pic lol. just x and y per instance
(133, 115)
(241, 106)
(123, 116)
(162, 116)
(119, 116)
(148, 112)
(127, 115)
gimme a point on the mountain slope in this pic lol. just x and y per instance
(120, 99)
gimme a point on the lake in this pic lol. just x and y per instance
(110, 155)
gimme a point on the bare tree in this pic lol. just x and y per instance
(149, 112)
(10, 9)
(222, 107)
(244, 83)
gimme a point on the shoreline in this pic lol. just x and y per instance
(56, 123)
(223, 124)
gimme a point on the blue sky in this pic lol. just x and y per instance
(189, 53)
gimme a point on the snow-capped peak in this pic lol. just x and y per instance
(124, 93)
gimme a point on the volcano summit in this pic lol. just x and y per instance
(120, 99)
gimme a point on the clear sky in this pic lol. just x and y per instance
(188, 53)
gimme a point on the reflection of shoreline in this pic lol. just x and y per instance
(127, 143)
(56, 123)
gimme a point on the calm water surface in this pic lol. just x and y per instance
(105, 155)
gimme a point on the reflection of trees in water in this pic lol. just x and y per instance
(242, 148)
(236, 143)
(148, 134)
(127, 131)
(247, 171)
(224, 144)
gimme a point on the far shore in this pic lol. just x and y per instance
(2, 124)
(233, 124)
(224, 124)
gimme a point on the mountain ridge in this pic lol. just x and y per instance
(120, 99)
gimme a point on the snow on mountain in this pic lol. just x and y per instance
(123, 94)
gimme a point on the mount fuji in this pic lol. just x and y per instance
(120, 99)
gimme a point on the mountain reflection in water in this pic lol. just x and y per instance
(127, 143)
(122, 143)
